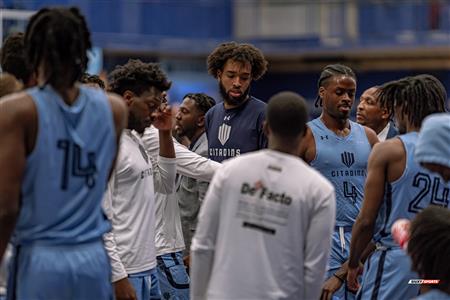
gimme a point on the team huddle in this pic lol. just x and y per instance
(107, 193)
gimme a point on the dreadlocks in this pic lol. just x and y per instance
(58, 38)
(429, 244)
(417, 97)
(329, 72)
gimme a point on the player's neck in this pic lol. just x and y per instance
(289, 146)
(228, 105)
(196, 135)
(338, 126)
(380, 127)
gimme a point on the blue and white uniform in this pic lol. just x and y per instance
(343, 161)
(388, 269)
(232, 132)
(59, 252)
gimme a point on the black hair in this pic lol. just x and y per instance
(88, 78)
(287, 114)
(244, 53)
(59, 38)
(417, 97)
(329, 72)
(202, 101)
(429, 244)
(138, 77)
(13, 60)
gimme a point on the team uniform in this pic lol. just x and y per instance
(388, 269)
(191, 193)
(262, 234)
(232, 132)
(58, 248)
(173, 278)
(130, 205)
(343, 161)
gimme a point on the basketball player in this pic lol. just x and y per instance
(234, 127)
(339, 148)
(172, 274)
(396, 188)
(130, 199)
(9, 84)
(13, 60)
(262, 233)
(59, 141)
(432, 148)
(370, 114)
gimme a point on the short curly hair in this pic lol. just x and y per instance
(13, 58)
(238, 52)
(138, 77)
(92, 78)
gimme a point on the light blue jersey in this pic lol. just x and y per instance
(59, 252)
(388, 269)
(407, 196)
(67, 172)
(343, 161)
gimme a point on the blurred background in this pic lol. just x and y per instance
(380, 40)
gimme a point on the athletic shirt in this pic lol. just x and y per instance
(269, 232)
(407, 196)
(343, 161)
(67, 172)
(232, 132)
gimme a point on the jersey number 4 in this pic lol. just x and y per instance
(72, 164)
(423, 181)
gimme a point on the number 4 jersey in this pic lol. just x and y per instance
(343, 161)
(416, 189)
(67, 172)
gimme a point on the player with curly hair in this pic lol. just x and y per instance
(234, 127)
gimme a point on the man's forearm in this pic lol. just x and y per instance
(166, 148)
(361, 236)
(7, 223)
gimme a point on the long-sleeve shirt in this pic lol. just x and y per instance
(264, 230)
(129, 204)
(169, 236)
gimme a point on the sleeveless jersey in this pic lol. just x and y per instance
(343, 161)
(407, 196)
(232, 132)
(67, 172)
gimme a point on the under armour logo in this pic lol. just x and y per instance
(324, 137)
(227, 118)
(348, 159)
(224, 133)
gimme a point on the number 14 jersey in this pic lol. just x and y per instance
(343, 161)
(67, 172)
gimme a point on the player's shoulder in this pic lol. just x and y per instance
(389, 150)
(257, 103)
(17, 106)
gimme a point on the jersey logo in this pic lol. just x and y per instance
(348, 159)
(227, 118)
(224, 133)
(324, 137)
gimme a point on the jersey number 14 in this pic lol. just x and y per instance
(72, 164)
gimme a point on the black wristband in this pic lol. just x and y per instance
(338, 277)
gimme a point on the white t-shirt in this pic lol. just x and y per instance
(264, 230)
(129, 204)
(169, 234)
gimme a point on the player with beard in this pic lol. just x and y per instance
(234, 127)
(339, 149)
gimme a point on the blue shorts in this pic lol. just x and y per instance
(339, 253)
(145, 284)
(173, 278)
(60, 272)
(386, 275)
